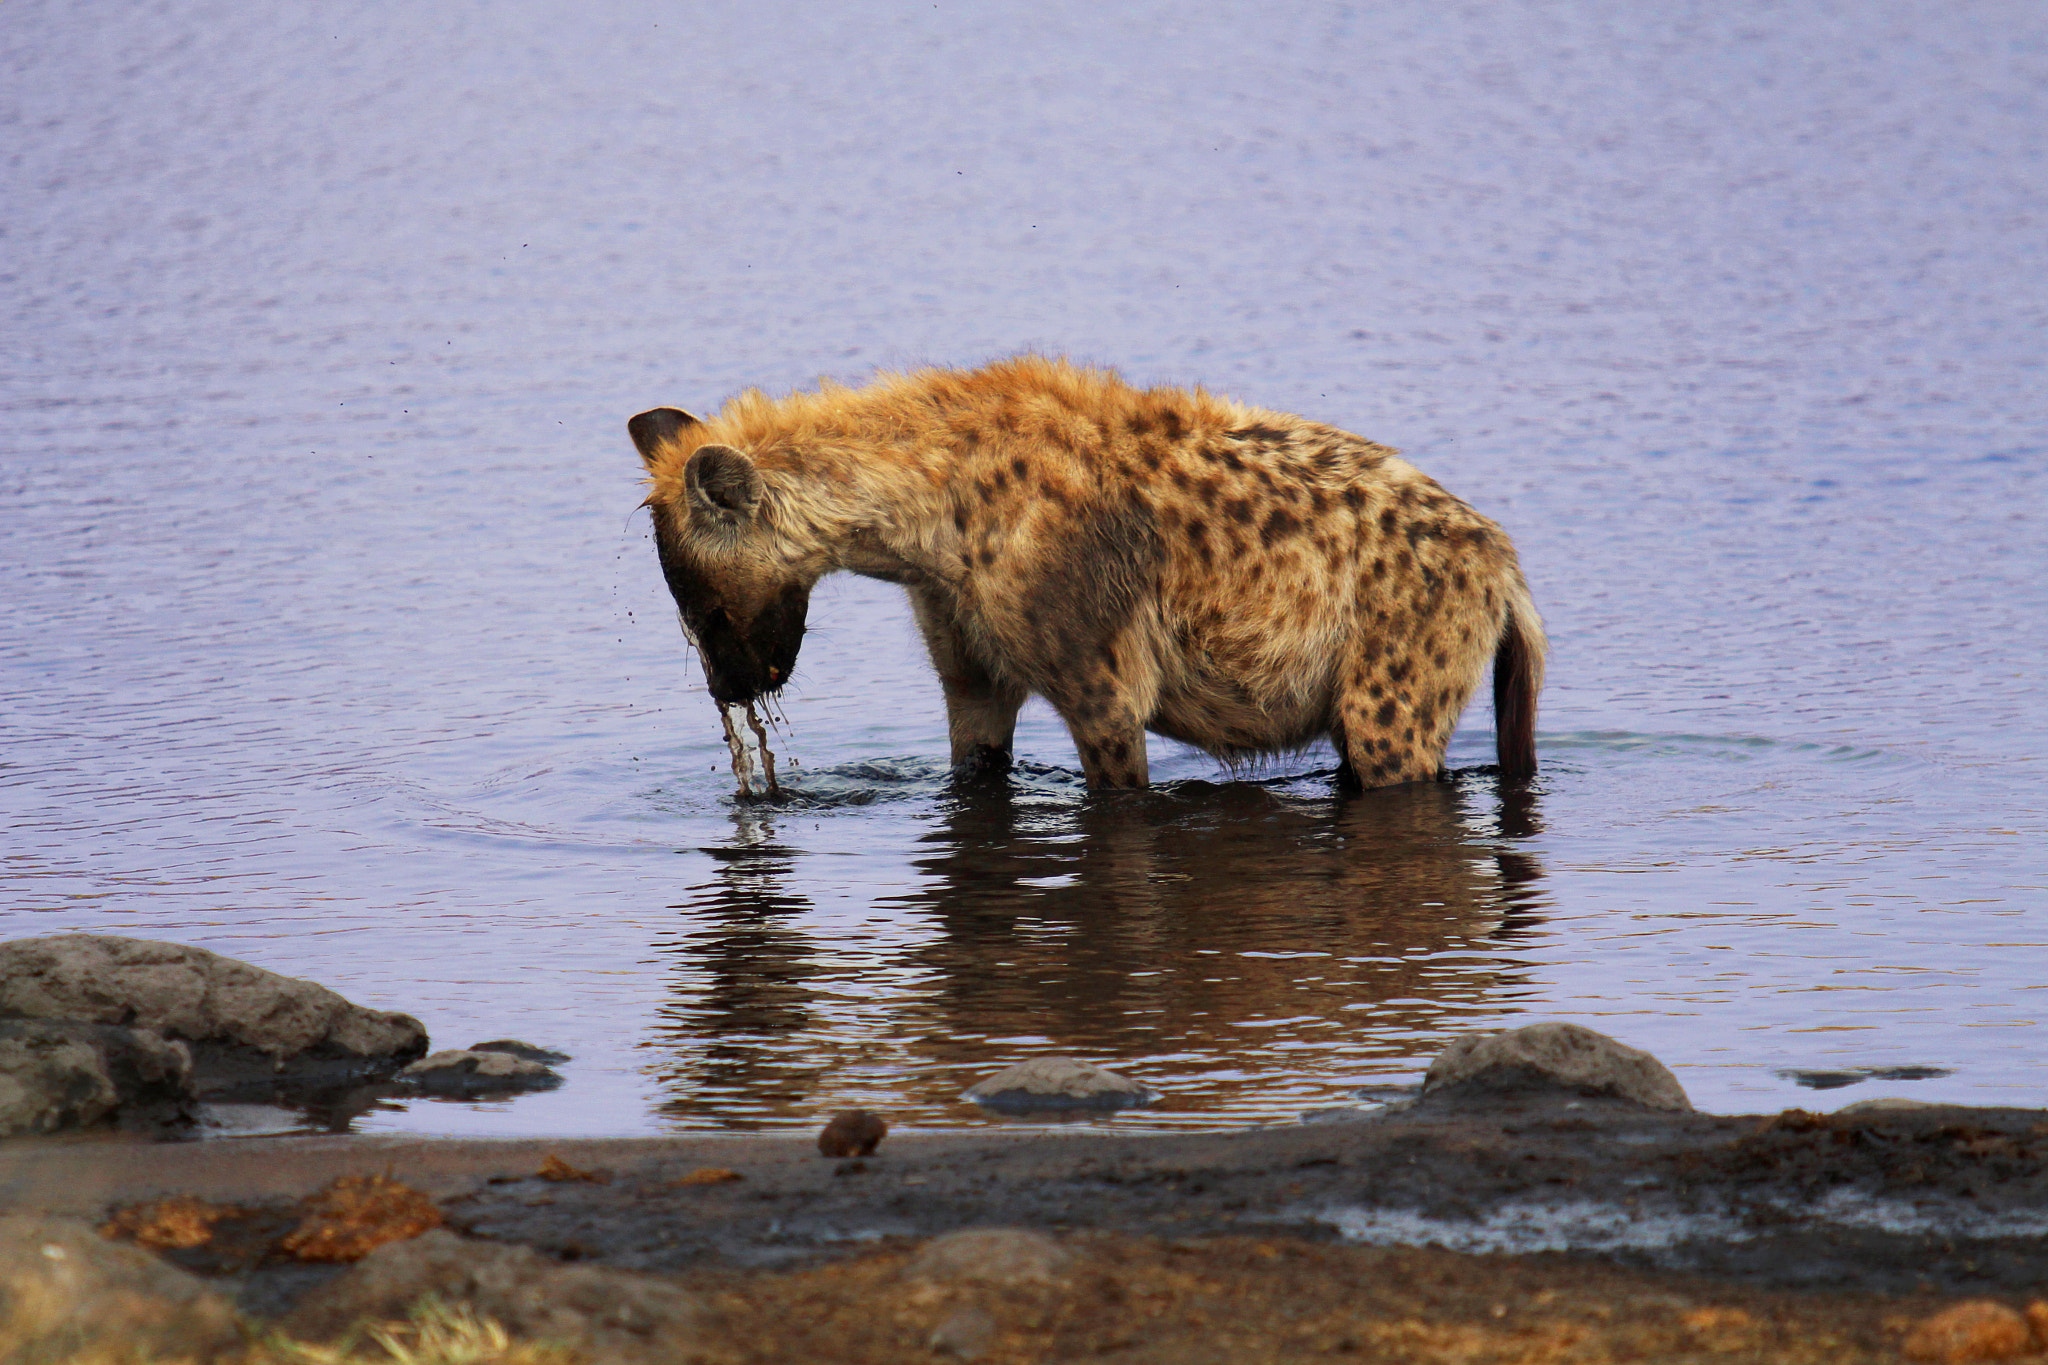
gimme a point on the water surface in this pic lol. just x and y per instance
(333, 642)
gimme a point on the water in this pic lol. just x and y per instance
(332, 640)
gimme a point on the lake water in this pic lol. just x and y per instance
(332, 641)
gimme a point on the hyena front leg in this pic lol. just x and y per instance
(981, 712)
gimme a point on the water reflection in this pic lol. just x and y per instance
(1227, 939)
(754, 966)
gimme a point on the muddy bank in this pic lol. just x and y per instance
(1872, 1215)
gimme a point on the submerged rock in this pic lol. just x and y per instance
(66, 1293)
(611, 1315)
(518, 1049)
(1550, 1057)
(248, 1026)
(1057, 1083)
(56, 1075)
(468, 1071)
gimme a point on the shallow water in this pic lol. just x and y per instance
(332, 640)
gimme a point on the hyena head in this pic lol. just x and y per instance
(741, 603)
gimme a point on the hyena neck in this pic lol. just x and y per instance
(870, 498)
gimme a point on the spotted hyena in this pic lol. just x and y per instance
(1237, 579)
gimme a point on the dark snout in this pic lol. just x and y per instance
(742, 662)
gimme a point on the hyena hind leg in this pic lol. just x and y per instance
(981, 711)
(1390, 726)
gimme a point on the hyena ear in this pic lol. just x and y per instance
(653, 429)
(723, 482)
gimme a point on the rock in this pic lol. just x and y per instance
(1979, 1329)
(246, 1024)
(852, 1132)
(1885, 1104)
(611, 1315)
(56, 1075)
(66, 1293)
(1551, 1057)
(1057, 1083)
(519, 1049)
(473, 1072)
(998, 1256)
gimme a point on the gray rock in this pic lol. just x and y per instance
(67, 1293)
(1058, 1083)
(997, 1256)
(1557, 1058)
(245, 1022)
(469, 1072)
(612, 1315)
(519, 1049)
(55, 1076)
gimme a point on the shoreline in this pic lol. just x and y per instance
(1857, 1224)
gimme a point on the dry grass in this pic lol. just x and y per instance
(436, 1333)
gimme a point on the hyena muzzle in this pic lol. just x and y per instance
(1241, 580)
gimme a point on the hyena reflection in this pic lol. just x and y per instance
(1241, 580)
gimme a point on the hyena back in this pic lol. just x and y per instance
(1241, 580)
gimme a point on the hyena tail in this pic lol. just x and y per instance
(1517, 678)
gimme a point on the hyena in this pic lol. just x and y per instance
(1240, 580)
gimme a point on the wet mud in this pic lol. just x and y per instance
(1473, 1230)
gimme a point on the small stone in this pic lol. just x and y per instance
(965, 1334)
(1551, 1057)
(355, 1215)
(519, 1049)
(1979, 1329)
(461, 1071)
(852, 1132)
(990, 1256)
(708, 1175)
(1062, 1083)
(558, 1170)
(1885, 1104)
(66, 1293)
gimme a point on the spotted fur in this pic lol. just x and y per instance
(1241, 580)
